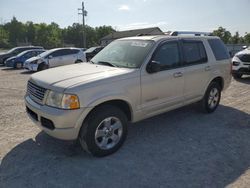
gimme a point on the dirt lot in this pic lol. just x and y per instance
(182, 148)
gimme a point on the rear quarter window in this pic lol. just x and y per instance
(219, 49)
(194, 52)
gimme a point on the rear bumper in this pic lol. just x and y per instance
(61, 124)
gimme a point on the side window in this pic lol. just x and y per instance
(74, 51)
(168, 55)
(58, 53)
(219, 49)
(194, 52)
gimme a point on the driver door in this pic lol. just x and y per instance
(163, 90)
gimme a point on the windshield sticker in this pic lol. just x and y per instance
(139, 44)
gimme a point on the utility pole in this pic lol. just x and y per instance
(83, 12)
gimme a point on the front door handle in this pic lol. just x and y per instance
(178, 74)
(207, 68)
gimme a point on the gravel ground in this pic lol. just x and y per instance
(181, 148)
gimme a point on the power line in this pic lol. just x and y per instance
(83, 12)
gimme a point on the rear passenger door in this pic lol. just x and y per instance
(71, 56)
(197, 69)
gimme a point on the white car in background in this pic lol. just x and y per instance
(241, 63)
(54, 58)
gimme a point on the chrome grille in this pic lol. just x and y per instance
(36, 92)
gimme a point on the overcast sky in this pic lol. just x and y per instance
(191, 15)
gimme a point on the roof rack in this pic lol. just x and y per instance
(177, 33)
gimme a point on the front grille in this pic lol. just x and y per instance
(36, 92)
(245, 58)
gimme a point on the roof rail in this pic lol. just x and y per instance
(177, 33)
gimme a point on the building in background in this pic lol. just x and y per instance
(130, 33)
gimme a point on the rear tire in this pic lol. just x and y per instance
(211, 99)
(104, 131)
(42, 66)
(78, 61)
(237, 75)
(18, 65)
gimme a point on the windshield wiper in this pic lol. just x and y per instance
(106, 63)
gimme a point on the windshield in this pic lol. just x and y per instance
(90, 49)
(12, 50)
(124, 53)
(46, 53)
(22, 53)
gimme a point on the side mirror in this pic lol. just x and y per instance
(153, 66)
(50, 57)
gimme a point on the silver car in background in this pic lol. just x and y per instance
(54, 58)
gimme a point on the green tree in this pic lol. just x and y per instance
(235, 39)
(247, 38)
(16, 31)
(30, 32)
(223, 34)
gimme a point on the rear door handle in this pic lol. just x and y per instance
(207, 68)
(178, 74)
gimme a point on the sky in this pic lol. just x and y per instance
(168, 15)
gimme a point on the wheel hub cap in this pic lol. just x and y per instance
(108, 133)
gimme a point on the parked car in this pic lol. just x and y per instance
(16, 51)
(18, 61)
(91, 52)
(131, 79)
(241, 63)
(54, 58)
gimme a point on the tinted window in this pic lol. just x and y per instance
(74, 51)
(194, 52)
(168, 55)
(219, 49)
(59, 53)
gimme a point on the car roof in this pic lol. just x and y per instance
(162, 37)
(70, 48)
(28, 47)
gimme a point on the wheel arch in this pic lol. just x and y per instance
(119, 103)
(219, 80)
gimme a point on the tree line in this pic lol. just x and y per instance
(16, 33)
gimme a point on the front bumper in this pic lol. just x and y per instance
(9, 63)
(66, 123)
(242, 70)
(31, 67)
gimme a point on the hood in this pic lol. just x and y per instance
(33, 59)
(61, 78)
(246, 51)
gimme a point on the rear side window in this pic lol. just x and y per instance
(74, 51)
(194, 52)
(219, 49)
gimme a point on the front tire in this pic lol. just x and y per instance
(211, 99)
(18, 65)
(104, 131)
(42, 66)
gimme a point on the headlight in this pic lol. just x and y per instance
(64, 101)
